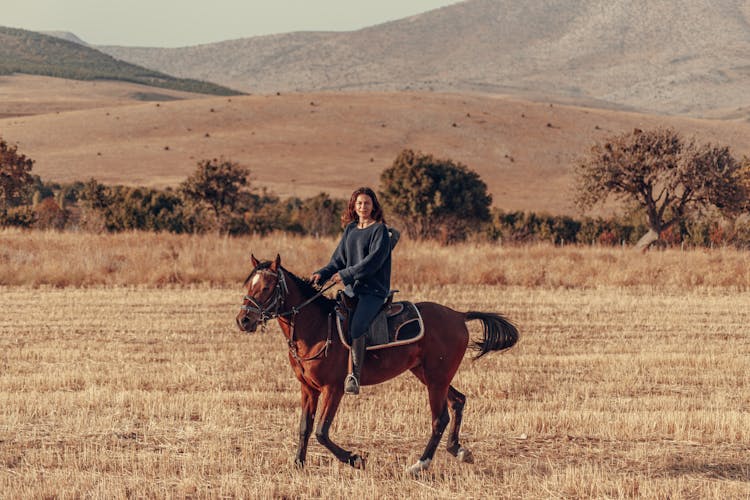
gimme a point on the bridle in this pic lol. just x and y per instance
(271, 309)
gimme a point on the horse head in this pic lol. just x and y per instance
(264, 294)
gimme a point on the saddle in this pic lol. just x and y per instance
(397, 323)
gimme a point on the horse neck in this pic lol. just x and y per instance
(311, 320)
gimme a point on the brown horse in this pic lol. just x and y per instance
(319, 359)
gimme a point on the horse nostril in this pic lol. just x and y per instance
(241, 322)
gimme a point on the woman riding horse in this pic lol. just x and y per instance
(318, 359)
(362, 261)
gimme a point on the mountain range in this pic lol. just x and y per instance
(654, 56)
(64, 56)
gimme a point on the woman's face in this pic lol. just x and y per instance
(363, 207)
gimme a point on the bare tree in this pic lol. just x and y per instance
(667, 176)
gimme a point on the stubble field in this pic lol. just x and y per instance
(150, 391)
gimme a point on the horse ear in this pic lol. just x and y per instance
(276, 263)
(254, 261)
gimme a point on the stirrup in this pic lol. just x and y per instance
(351, 384)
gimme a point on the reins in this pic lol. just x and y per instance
(295, 309)
(276, 302)
(323, 351)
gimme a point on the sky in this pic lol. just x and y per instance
(179, 23)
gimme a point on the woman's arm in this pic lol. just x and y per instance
(337, 262)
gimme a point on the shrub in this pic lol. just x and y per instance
(434, 198)
(49, 215)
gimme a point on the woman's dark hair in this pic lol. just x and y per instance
(350, 214)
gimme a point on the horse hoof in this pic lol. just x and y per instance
(420, 466)
(299, 464)
(464, 455)
(357, 461)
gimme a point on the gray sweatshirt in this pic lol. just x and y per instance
(363, 260)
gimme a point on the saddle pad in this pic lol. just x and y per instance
(404, 326)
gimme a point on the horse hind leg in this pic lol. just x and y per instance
(456, 402)
(440, 419)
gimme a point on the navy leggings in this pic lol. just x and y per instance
(366, 310)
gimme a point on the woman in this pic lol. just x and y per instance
(362, 262)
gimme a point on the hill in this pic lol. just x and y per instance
(24, 95)
(33, 53)
(65, 35)
(301, 144)
(668, 57)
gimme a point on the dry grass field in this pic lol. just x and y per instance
(143, 392)
(37, 258)
(119, 383)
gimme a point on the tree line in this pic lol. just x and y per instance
(671, 190)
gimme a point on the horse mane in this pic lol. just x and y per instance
(306, 288)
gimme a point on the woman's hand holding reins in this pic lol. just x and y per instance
(315, 278)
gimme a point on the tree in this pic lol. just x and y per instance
(744, 176)
(96, 203)
(259, 214)
(220, 185)
(15, 176)
(667, 177)
(49, 215)
(320, 215)
(144, 209)
(434, 198)
(94, 196)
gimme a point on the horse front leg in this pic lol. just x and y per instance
(331, 399)
(309, 407)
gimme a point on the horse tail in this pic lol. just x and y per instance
(499, 333)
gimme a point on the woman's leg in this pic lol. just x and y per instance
(367, 308)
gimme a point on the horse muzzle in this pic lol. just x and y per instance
(245, 324)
